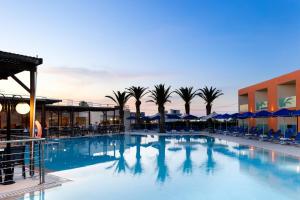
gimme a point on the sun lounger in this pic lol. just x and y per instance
(287, 139)
(297, 139)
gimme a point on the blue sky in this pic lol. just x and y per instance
(93, 47)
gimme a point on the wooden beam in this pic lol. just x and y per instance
(20, 83)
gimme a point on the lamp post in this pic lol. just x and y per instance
(7, 106)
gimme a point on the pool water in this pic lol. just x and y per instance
(159, 167)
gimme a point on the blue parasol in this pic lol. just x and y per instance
(189, 117)
(263, 114)
(131, 118)
(155, 117)
(173, 116)
(284, 113)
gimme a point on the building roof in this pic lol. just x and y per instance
(283, 79)
(79, 108)
(11, 64)
(39, 100)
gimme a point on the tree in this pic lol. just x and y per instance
(160, 96)
(137, 93)
(209, 95)
(120, 98)
(83, 104)
(187, 94)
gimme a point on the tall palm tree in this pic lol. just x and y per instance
(160, 96)
(162, 167)
(138, 168)
(120, 165)
(187, 165)
(187, 94)
(209, 95)
(120, 98)
(137, 93)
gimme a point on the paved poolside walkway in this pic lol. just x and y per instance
(286, 149)
(29, 185)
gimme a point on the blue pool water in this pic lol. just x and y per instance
(179, 168)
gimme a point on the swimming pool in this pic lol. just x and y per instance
(158, 167)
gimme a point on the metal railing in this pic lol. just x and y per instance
(22, 158)
(66, 131)
(70, 102)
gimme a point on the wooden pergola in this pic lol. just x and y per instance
(12, 64)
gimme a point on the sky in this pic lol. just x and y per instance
(91, 48)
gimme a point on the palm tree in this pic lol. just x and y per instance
(187, 94)
(209, 95)
(162, 167)
(160, 96)
(120, 165)
(137, 93)
(120, 98)
(187, 165)
(138, 168)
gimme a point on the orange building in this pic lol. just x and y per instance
(272, 95)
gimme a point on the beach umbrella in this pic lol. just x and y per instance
(145, 119)
(263, 114)
(235, 117)
(155, 117)
(211, 116)
(131, 118)
(296, 113)
(283, 113)
(246, 115)
(226, 117)
(189, 117)
(216, 117)
(173, 116)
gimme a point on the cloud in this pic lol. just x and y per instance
(94, 74)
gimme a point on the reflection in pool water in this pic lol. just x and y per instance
(159, 167)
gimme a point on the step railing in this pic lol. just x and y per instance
(22, 158)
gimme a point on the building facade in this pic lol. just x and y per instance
(272, 95)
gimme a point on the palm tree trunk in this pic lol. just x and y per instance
(187, 108)
(121, 119)
(187, 111)
(138, 113)
(161, 110)
(208, 109)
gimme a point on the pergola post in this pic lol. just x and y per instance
(32, 116)
(114, 119)
(32, 101)
(72, 121)
(43, 119)
(58, 120)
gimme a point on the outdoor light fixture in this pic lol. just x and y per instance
(0, 107)
(22, 108)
